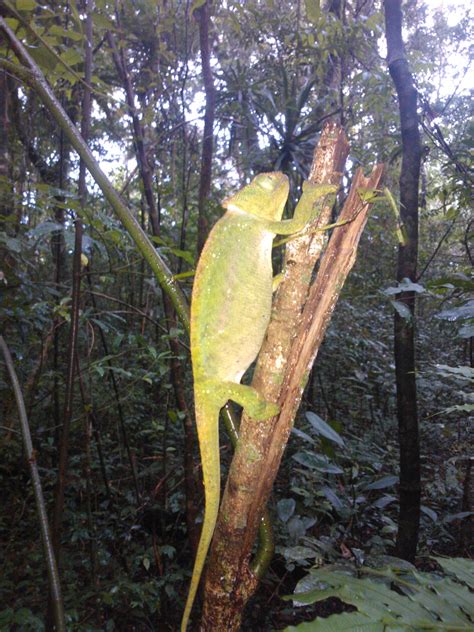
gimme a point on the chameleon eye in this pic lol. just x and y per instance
(266, 182)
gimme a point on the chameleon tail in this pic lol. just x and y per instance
(207, 420)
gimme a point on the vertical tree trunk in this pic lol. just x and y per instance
(193, 483)
(76, 295)
(404, 342)
(146, 173)
(177, 379)
(5, 186)
(7, 262)
(85, 130)
(202, 15)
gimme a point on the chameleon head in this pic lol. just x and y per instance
(264, 197)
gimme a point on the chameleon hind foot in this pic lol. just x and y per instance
(250, 399)
(263, 410)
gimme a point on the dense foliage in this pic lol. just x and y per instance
(280, 70)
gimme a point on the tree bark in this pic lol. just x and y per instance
(404, 330)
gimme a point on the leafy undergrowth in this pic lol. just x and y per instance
(392, 599)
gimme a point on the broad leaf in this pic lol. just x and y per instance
(347, 622)
(402, 309)
(404, 286)
(332, 497)
(430, 513)
(464, 372)
(298, 553)
(323, 428)
(25, 5)
(396, 600)
(317, 462)
(286, 508)
(382, 483)
(457, 313)
(460, 567)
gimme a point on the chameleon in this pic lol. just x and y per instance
(230, 311)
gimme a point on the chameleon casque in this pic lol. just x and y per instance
(230, 312)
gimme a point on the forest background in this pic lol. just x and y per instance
(181, 104)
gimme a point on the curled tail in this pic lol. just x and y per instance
(207, 420)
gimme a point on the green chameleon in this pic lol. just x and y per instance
(230, 312)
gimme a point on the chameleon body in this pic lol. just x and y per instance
(230, 312)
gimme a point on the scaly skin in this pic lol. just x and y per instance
(230, 312)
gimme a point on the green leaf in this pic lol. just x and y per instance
(72, 5)
(71, 57)
(429, 512)
(43, 57)
(463, 372)
(168, 550)
(465, 408)
(383, 501)
(286, 508)
(313, 10)
(324, 429)
(44, 229)
(404, 286)
(466, 331)
(400, 229)
(6, 616)
(26, 5)
(460, 567)
(395, 599)
(104, 22)
(13, 24)
(402, 309)
(302, 435)
(55, 29)
(183, 254)
(347, 622)
(332, 497)
(457, 313)
(298, 553)
(317, 462)
(12, 243)
(458, 280)
(382, 483)
(458, 516)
